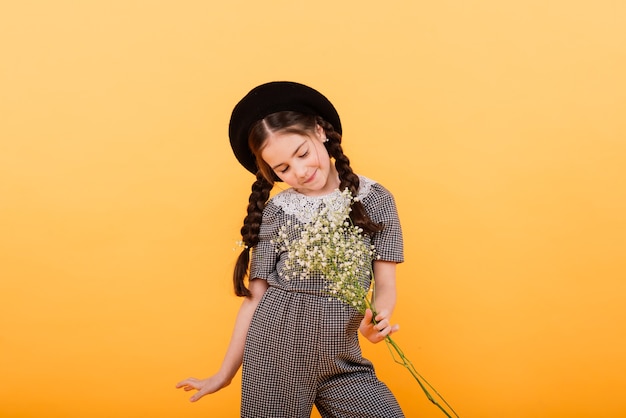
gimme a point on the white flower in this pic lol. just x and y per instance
(332, 246)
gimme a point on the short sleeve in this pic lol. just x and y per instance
(381, 207)
(264, 256)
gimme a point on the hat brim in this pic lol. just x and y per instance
(272, 97)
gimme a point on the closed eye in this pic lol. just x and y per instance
(303, 155)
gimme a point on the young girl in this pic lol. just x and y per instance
(298, 346)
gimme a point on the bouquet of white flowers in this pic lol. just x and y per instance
(333, 246)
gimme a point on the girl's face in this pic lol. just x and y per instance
(301, 161)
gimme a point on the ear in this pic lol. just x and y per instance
(320, 133)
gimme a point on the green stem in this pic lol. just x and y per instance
(401, 359)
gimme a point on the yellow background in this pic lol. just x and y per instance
(499, 126)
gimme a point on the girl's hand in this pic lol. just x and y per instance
(203, 386)
(376, 332)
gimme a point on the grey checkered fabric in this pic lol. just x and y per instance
(302, 347)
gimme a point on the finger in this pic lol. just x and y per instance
(381, 336)
(366, 322)
(199, 395)
(195, 397)
(382, 315)
(188, 381)
(393, 328)
(367, 318)
(382, 325)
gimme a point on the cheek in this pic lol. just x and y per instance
(283, 178)
(322, 156)
(290, 181)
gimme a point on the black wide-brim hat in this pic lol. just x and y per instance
(276, 96)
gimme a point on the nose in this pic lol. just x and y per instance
(301, 170)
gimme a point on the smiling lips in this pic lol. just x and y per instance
(310, 179)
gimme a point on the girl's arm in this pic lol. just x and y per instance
(384, 303)
(234, 354)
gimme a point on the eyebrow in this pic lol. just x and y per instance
(294, 153)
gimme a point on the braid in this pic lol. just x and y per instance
(348, 179)
(250, 231)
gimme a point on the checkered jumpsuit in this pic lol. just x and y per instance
(302, 347)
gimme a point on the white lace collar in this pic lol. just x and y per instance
(304, 207)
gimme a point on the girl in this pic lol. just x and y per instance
(297, 346)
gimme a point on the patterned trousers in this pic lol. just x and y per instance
(302, 350)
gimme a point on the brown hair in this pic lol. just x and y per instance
(303, 124)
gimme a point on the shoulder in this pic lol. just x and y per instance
(371, 191)
(379, 203)
(272, 214)
(271, 209)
